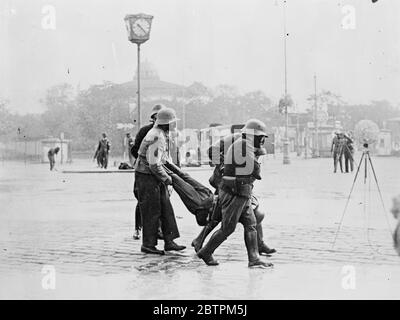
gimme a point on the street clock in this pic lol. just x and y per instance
(138, 27)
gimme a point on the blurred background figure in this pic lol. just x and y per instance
(103, 149)
(51, 155)
(396, 213)
(130, 143)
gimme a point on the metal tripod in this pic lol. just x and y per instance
(366, 158)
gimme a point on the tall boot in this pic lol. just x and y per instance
(250, 239)
(262, 247)
(197, 243)
(206, 252)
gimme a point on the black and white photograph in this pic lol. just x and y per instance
(205, 150)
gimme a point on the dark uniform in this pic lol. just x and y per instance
(102, 152)
(51, 155)
(336, 151)
(134, 152)
(216, 154)
(151, 188)
(235, 199)
(348, 151)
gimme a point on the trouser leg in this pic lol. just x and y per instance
(232, 207)
(214, 221)
(346, 163)
(138, 219)
(105, 160)
(149, 196)
(334, 162)
(351, 163)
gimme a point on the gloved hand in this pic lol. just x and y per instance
(168, 181)
(170, 189)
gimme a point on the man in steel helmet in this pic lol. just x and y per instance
(151, 184)
(241, 169)
(134, 152)
(216, 154)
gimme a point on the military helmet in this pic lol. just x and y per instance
(166, 116)
(255, 127)
(156, 109)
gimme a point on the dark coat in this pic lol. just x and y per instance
(139, 138)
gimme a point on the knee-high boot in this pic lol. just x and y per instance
(215, 241)
(250, 238)
(262, 247)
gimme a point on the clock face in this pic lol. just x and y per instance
(141, 27)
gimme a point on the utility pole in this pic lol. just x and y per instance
(286, 159)
(316, 143)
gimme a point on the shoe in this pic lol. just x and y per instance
(209, 260)
(261, 264)
(152, 250)
(136, 235)
(196, 245)
(172, 246)
(265, 249)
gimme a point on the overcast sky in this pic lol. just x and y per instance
(236, 42)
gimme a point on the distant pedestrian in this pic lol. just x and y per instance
(130, 143)
(348, 152)
(102, 151)
(51, 155)
(336, 152)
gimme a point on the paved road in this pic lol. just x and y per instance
(82, 225)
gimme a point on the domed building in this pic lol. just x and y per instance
(151, 87)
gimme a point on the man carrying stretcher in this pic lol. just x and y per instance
(217, 154)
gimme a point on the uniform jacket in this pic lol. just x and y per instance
(335, 144)
(153, 153)
(241, 161)
(217, 151)
(104, 145)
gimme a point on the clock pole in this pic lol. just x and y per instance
(138, 85)
(138, 27)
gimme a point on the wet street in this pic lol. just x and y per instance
(80, 225)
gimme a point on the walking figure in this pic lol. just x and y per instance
(102, 151)
(348, 151)
(241, 169)
(335, 151)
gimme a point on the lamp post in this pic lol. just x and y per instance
(138, 27)
(286, 159)
(316, 133)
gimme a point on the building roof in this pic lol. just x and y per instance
(150, 82)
